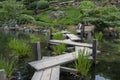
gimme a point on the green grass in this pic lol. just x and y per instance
(7, 65)
(71, 18)
(58, 36)
(57, 50)
(82, 64)
(19, 47)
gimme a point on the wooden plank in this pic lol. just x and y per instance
(57, 60)
(2, 74)
(42, 64)
(37, 75)
(88, 51)
(69, 42)
(87, 29)
(73, 37)
(46, 74)
(55, 73)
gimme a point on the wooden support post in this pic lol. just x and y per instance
(82, 32)
(37, 51)
(89, 36)
(94, 53)
(50, 33)
(2, 74)
(49, 37)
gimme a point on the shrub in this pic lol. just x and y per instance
(34, 38)
(33, 6)
(7, 65)
(99, 36)
(82, 63)
(57, 50)
(19, 48)
(27, 2)
(42, 5)
(28, 12)
(25, 19)
(58, 36)
(39, 5)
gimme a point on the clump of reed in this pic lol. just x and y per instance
(59, 49)
(99, 36)
(19, 47)
(8, 65)
(82, 63)
(34, 38)
(58, 36)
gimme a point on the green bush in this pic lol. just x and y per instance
(99, 36)
(39, 5)
(42, 5)
(0, 4)
(57, 50)
(28, 12)
(58, 36)
(19, 47)
(82, 64)
(7, 65)
(27, 2)
(25, 19)
(33, 6)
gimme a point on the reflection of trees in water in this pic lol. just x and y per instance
(109, 70)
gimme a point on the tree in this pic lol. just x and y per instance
(101, 17)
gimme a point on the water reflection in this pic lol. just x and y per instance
(98, 77)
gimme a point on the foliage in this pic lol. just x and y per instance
(42, 5)
(59, 49)
(19, 47)
(28, 12)
(33, 38)
(11, 10)
(101, 17)
(58, 36)
(25, 19)
(39, 5)
(99, 36)
(12, 7)
(7, 65)
(82, 64)
(27, 2)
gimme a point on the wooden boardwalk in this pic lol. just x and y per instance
(51, 73)
(58, 60)
(73, 37)
(69, 42)
(49, 68)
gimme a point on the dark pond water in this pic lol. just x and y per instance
(107, 68)
(22, 70)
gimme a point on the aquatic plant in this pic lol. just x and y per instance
(7, 65)
(99, 36)
(19, 47)
(34, 38)
(57, 50)
(82, 63)
(58, 36)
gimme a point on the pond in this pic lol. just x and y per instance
(108, 62)
(22, 69)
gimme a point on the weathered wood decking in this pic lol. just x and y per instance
(73, 37)
(86, 29)
(69, 42)
(51, 73)
(49, 68)
(58, 60)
